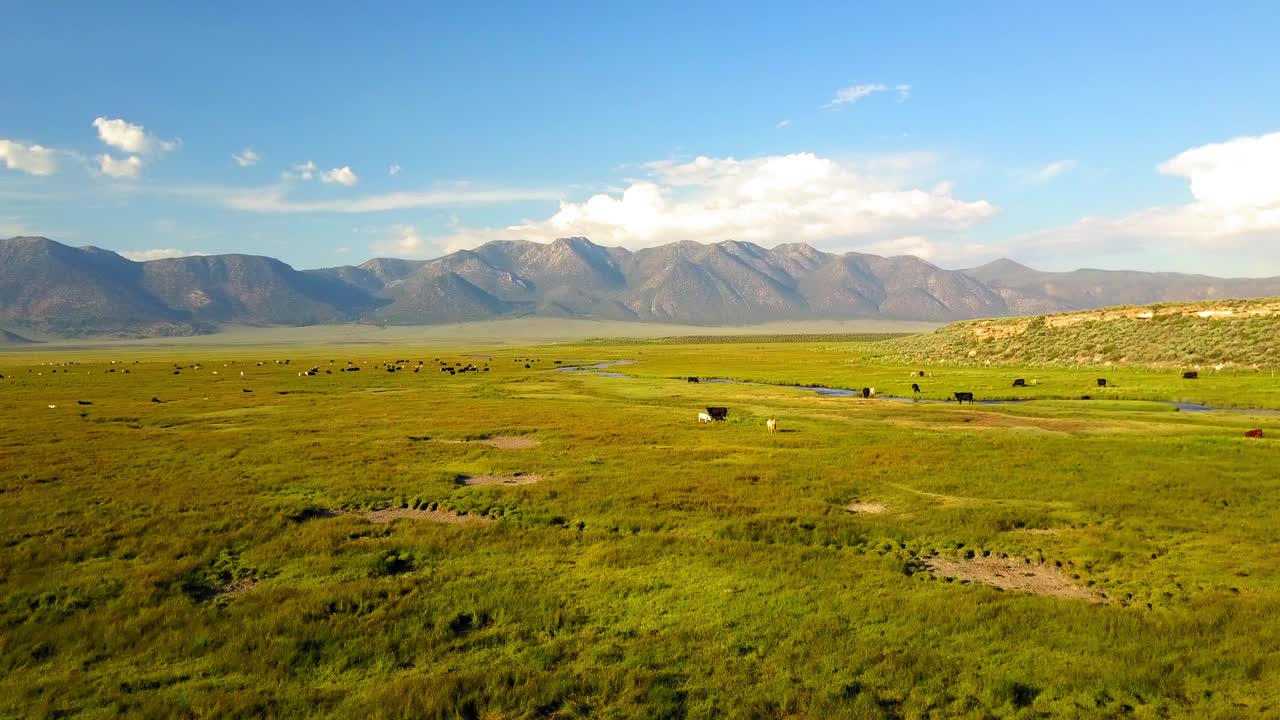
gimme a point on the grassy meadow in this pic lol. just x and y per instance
(220, 553)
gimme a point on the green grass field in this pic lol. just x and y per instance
(212, 554)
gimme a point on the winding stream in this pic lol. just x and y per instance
(600, 369)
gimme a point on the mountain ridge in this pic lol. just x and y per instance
(51, 288)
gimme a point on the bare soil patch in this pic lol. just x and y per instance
(1012, 574)
(386, 515)
(518, 479)
(510, 442)
(237, 587)
(861, 507)
(501, 442)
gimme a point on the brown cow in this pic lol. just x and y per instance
(1254, 433)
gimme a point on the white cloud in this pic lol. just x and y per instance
(341, 176)
(394, 170)
(310, 171)
(30, 159)
(404, 241)
(904, 92)
(1235, 189)
(275, 199)
(301, 171)
(246, 157)
(158, 254)
(782, 123)
(129, 137)
(854, 93)
(947, 254)
(1052, 171)
(129, 167)
(768, 200)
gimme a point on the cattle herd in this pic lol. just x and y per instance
(711, 415)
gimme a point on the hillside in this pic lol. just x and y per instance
(61, 290)
(1193, 335)
(8, 338)
(48, 287)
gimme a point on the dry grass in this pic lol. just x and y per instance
(519, 479)
(1013, 574)
(384, 516)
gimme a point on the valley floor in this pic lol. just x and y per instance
(237, 539)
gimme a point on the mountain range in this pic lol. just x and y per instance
(50, 288)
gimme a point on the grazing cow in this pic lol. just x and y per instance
(718, 413)
(1190, 375)
(245, 390)
(156, 400)
(1020, 383)
(866, 393)
(772, 423)
(83, 402)
(693, 379)
(486, 368)
(704, 418)
(353, 369)
(961, 397)
(526, 366)
(1254, 433)
(1102, 382)
(915, 388)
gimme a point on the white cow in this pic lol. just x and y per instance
(773, 424)
(704, 417)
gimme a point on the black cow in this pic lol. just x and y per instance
(693, 379)
(1102, 382)
(915, 388)
(866, 393)
(526, 366)
(1020, 382)
(718, 413)
(245, 390)
(1190, 375)
(353, 369)
(83, 402)
(961, 397)
(156, 400)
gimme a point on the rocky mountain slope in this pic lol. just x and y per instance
(48, 287)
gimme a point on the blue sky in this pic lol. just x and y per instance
(1145, 136)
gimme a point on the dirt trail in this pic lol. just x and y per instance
(510, 442)
(861, 507)
(386, 515)
(501, 442)
(520, 479)
(1013, 574)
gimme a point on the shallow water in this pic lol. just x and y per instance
(845, 392)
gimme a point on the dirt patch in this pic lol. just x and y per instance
(1012, 574)
(237, 587)
(861, 508)
(502, 442)
(518, 479)
(510, 442)
(1039, 531)
(386, 515)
